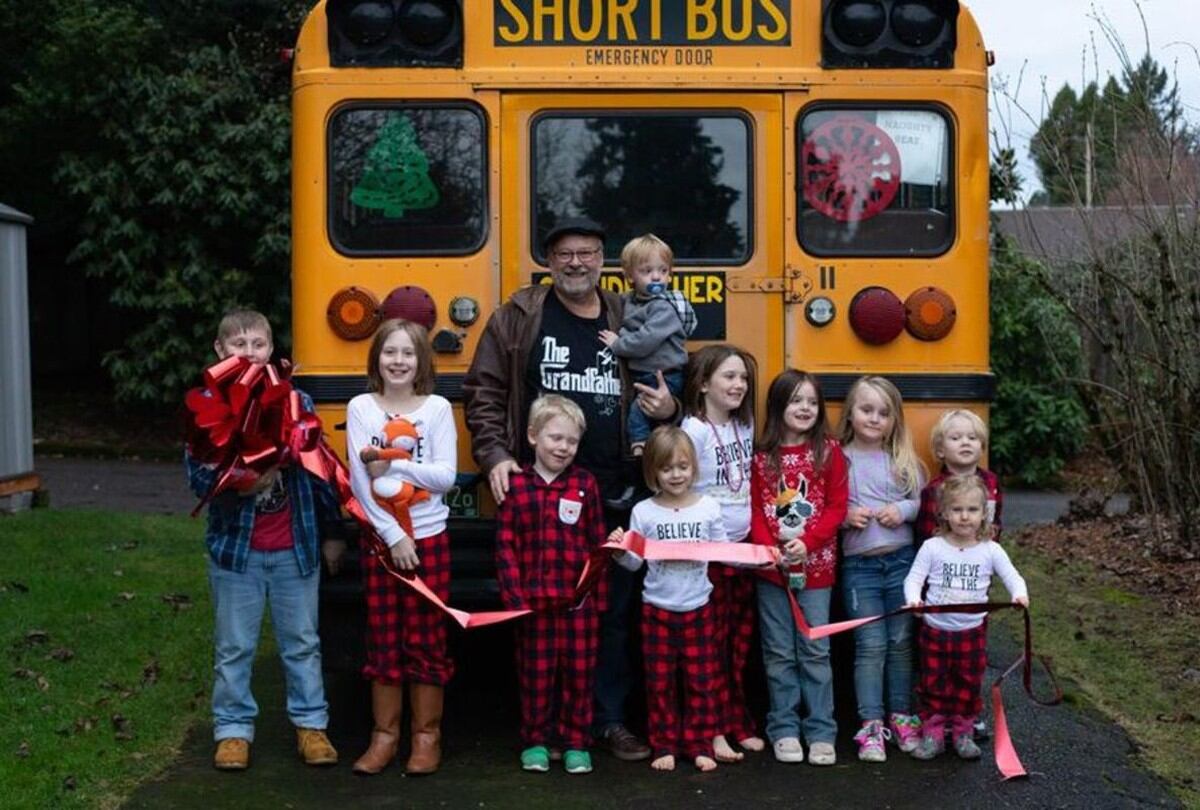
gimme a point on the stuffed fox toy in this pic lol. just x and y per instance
(391, 490)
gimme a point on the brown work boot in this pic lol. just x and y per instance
(233, 754)
(387, 701)
(314, 747)
(623, 744)
(426, 728)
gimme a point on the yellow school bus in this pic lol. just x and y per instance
(820, 168)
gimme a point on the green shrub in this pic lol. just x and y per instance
(1037, 421)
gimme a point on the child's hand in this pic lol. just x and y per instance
(368, 454)
(857, 517)
(265, 481)
(1023, 601)
(616, 535)
(404, 554)
(915, 604)
(332, 551)
(795, 552)
(889, 517)
(608, 337)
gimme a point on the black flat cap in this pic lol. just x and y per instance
(581, 226)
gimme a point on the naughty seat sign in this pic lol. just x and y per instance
(642, 23)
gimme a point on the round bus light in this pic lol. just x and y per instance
(464, 311)
(929, 314)
(353, 313)
(918, 23)
(426, 22)
(412, 304)
(819, 311)
(858, 23)
(367, 22)
(876, 315)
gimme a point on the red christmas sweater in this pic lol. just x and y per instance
(798, 495)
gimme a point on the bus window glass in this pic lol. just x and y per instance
(875, 182)
(684, 177)
(406, 180)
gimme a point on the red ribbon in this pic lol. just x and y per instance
(246, 419)
(1005, 752)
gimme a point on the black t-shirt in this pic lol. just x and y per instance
(568, 358)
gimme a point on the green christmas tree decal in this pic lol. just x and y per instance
(395, 178)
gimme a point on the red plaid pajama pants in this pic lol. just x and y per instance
(557, 645)
(673, 643)
(733, 600)
(953, 663)
(406, 636)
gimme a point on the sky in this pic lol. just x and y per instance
(1042, 44)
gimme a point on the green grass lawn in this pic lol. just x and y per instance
(105, 629)
(1125, 655)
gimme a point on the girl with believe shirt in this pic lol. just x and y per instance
(718, 402)
(877, 550)
(799, 499)
(406, 635)
(957, 565)
(678, 622)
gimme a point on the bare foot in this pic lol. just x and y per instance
(664, 763)
(752, 743)
(724, 752)
(704, 763)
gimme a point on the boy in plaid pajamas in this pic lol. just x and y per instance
(547, 526)
(678, 626)
(957, 565)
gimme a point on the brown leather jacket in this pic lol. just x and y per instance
(494, 397)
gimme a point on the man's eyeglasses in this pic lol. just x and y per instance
(585, 255)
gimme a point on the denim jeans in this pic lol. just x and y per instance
(797, 669)
(638, 427)
(615, 673)
(882, 650)
(271, 578)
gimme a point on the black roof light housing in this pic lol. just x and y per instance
(395, 33)
(889, 33)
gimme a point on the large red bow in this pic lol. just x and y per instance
(246, 419)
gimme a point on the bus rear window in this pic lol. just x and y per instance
(407, 180)
(684, 177)
(875, 182)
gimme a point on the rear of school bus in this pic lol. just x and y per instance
(819, 167)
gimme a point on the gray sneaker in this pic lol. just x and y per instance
(930, 746)
(965, 746)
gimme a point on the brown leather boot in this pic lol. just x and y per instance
(426, 728)
(387, 701)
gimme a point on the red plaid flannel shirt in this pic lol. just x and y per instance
(926, 523)
(539, 555)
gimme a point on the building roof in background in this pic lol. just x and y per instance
(1064, 234)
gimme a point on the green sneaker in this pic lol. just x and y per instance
(576, 761)
(536, 758)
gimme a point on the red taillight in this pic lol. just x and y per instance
(876, 315)
(929, 313)
(411, 304)
(353, 313)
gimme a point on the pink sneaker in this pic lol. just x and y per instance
(870, 741)
(906, 731)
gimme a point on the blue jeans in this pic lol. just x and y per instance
(638, 427)
(871, 586)
(797, 669)
(271, 578)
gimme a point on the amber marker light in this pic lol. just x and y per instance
(353, 313)
(929, 313)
